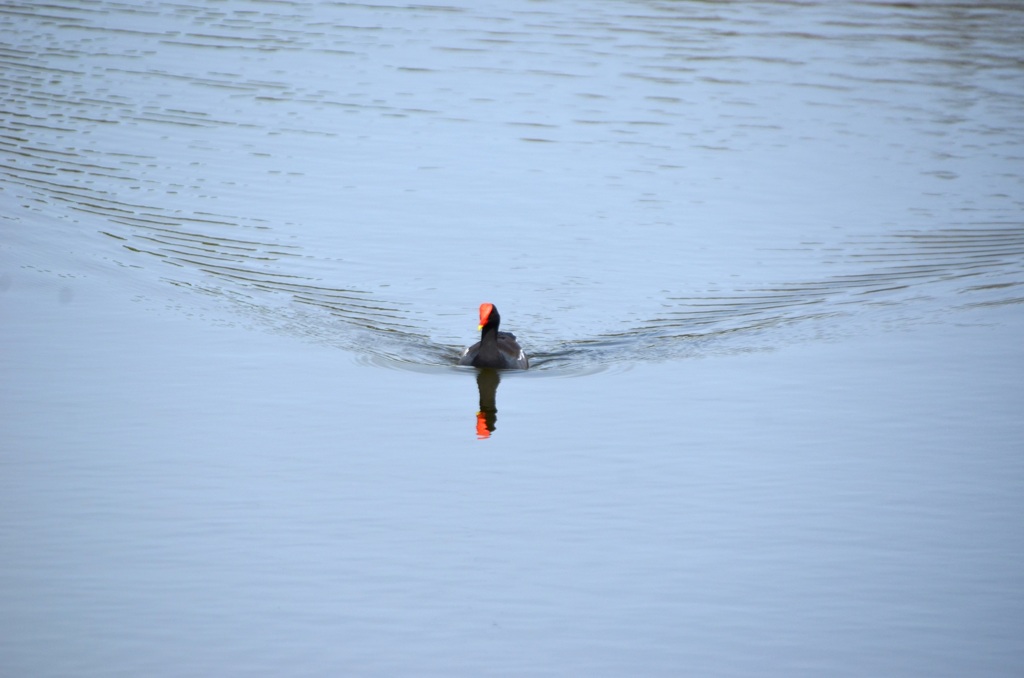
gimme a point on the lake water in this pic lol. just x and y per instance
(767, 259)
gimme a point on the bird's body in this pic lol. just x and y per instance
(498, 350)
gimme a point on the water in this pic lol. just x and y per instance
(767, 260)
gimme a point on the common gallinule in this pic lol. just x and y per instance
(495, 349)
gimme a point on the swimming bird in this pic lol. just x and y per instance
(495, 349)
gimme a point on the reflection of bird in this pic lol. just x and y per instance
(495, 349)
(487, 381)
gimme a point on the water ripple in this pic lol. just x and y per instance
(317, 167)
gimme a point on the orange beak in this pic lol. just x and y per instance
(485, 314)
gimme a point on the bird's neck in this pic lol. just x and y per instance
(489, 341)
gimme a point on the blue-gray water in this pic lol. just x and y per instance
(767, 259)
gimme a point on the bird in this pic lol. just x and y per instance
(498, 350)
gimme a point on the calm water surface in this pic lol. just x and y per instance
(767, 259)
